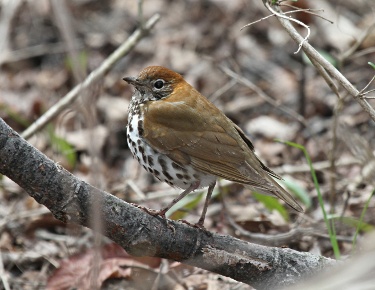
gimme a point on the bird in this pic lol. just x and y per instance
(183, 139)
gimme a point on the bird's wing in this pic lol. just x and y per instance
(209, 142)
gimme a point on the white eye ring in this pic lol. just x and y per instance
(159, 84)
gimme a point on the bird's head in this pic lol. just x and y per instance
(155, 83)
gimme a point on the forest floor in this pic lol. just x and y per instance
(51, 46)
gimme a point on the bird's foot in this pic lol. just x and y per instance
(150, 211)
(155, 212)
(196, 225)
(160, 213)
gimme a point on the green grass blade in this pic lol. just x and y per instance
(361, 220)
(330, 227)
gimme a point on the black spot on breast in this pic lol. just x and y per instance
(162, 163)
(156, 173)
(130, 127)
(179, 176)
(144, 158)
(167, 175)
(141, 150)
(187, 177)
(196, 176)
(150, 160)
(150, 170)
(139, 141)
(140, 128)
(176, 166)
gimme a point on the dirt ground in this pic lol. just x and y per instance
(48, 47)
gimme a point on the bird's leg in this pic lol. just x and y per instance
(163, 211)
(200, 223)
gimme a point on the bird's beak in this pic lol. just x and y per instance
(132, 81)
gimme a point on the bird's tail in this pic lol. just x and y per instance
(273, 188)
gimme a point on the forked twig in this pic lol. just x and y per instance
(290, 19)
(362, 92)
(312, 54)
(308, 11)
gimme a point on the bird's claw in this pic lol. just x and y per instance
(197, 225)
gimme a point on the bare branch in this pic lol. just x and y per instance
(281, 15)
(357, 44)
(312, 54)
(307, 11)
(263, 95)
(94, 76)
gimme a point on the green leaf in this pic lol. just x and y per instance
(361, 220)
(272, 203)
(82, 59)
(357, 223)
(62, 146)
(352, 222)
(371, 64)
(330, 226)
(15, 116)
(298, 191)
(323, 53)
(188, 203)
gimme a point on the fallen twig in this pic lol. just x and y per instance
(94, 76)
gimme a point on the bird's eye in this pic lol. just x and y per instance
(159, 84)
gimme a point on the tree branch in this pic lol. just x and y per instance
(318, 60)
(71, 199)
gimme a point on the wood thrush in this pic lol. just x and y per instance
(184, 140)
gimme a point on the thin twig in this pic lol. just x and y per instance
(311, 53)
(94, 76)
(363, 52)
(7, 13)
(66, 28)
(3, 275)
(307, 11)
(136, 189)
(262, 94)
(140, 14)
(282, 238)
(362, 92)
(370, 97)
(280, 15)
(326, 77)
(37, 50)
(222, 90)
(14, 215)
(332, 154)
(259, 20)
(356, 45)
